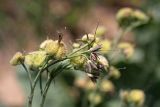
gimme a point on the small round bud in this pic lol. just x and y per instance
(127, 48)
(136, 96)
(101, 30)
(17, 58)
(105, 46)
(35, 59)
(95, 98)
(76, 45)
(114, 72)
(107, 86)
(89, 37)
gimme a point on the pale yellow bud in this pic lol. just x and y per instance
(101, 30)
(89, 37)
(136, 96)
(50, 46)
(35, 59)
(17, 58)
(124, 13)
(140, 16)
(106, 86)
(127, 48)
(114, 72)
(76, 45)
(95, 98)
(105, 46)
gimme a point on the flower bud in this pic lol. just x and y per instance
(136, 96)
(50, 46)
(95, 98)
(127, 17)
(127, 48)
(76, 45)
(89, 38)
(114, 72)
(105, 46)
(101, 30)
(107, 86)
(35, 59)
(124, 16)
(140, 16)
(17, 58)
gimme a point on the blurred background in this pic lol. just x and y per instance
(24, 24)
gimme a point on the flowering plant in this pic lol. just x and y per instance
(90, 54)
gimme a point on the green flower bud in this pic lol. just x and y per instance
(17, 58)
(36, 59)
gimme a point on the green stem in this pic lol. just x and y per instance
(28, 72)
(50, 78)
(36, 80)
(45, 91)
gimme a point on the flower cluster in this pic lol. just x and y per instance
(127, 17)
